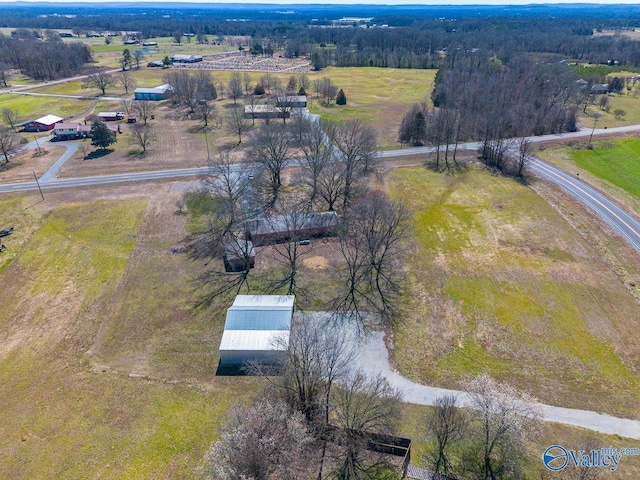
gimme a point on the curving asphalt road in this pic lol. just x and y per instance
(621, 222)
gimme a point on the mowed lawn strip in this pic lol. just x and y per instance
(499, 283)
(62, 415)
(617, 162)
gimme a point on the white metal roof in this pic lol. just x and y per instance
(252, 340)
(49, 119)
(158, 89)
(270, 302)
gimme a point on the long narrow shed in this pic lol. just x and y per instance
(256, 329)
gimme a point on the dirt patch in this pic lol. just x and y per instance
(23, 165)
(316, 263)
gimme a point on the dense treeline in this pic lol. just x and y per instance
(43, 59)
(482, 99)
(417, 37)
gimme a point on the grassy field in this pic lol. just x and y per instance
(377, 96)
(500, 283)
(372, 93)
(612, 165)
(629, 103)
(100, 378)
(33, 107)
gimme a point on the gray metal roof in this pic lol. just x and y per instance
(248, 340)
(260, 312)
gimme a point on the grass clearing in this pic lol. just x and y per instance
(499, 283)
(378, 96)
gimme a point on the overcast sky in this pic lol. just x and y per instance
(350, 2)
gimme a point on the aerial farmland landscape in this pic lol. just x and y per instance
(273, 241)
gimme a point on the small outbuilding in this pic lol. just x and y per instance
(256, 330)
(292, 101)
(158, 93)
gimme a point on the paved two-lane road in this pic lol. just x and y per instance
(621, 222)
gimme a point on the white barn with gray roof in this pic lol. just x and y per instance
(256, 330)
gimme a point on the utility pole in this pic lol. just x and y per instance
(592, 130)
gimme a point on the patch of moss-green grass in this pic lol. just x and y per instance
(618, 163)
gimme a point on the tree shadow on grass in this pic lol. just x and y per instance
(101, 152)
(450, 168)
(136, 154)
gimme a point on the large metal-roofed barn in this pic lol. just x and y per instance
(256, 330)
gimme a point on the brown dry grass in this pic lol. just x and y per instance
(23, 165)
(500, 283)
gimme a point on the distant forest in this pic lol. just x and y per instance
(380, 36)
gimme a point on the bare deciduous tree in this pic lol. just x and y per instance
(363, 405)
(236, 123)
(126, 81)
(127, 105)
(264, 441)
(445, 425)
(143, 135)
(504, 419)
(317, 155)
(271, 146)
(247, 83)
(10, 117)
(207, 111)
(4, 74)
(357, 147)
(191, 88)
(144, 110)
(138, 58)
(234, 86)
(9, 142)
(370, 243)
(100, 81)
(330, 184)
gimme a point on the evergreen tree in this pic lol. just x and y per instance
(341, 99)
(127, 61)
(101, 136)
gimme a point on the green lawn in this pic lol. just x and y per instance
(617, 162)
(611, 165)
(33, 107)
(498, 282)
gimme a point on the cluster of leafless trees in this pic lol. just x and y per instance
(480, 99)
(191, 88)
(314, 418)
(488, 439)
(333, 161)
(42, 59)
